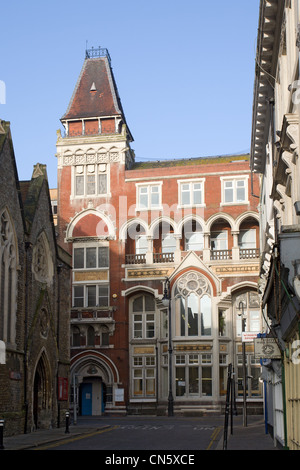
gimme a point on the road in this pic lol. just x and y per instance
(146, 434)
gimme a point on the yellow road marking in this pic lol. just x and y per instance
(214, 436)
(76, 438)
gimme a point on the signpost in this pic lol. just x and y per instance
(266, 348)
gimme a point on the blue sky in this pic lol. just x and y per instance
(184, 70)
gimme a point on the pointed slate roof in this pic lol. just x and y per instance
(95, 93)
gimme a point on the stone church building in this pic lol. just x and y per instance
(34, 301)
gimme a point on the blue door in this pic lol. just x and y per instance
(86, 399)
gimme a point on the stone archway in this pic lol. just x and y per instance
(42, 394)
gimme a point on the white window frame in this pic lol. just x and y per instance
(191, 183)
(143, 364)
(149, 186)
(234, 180)
(86, 246)
(85, 287)
(99, 168)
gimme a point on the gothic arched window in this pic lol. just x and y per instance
(193, 306)
(8, 279)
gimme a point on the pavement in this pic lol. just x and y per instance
(250, 437)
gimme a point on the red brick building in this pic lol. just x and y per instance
(130, 226)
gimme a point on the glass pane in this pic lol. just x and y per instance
(91, 336)
(228, 195)
(193, 307)
(194, 380)
(154, 200)
(255, 383)
(102, 181)
(247, 239)
(180, 381)
(240, 195)
(223, 380)
(91, 186)
(91, 258)
(168, 243)
(78, 258)
(205, 316)
(103, 296)
(137, 330)
(219, 240)
(150, 387)
(254, 320)
(138, 386)
(143, 201)
(197, 193)
(182, 316)
(206, 381)
(137, 305)
(141, 245)
(149, 303)
(103, 257)
(194, 241)
(91, 296)
(79, 185)
(185, 194)
(78, 296)
(150, 330)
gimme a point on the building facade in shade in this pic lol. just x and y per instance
(34, 301)
(134, 229)
(275, 156)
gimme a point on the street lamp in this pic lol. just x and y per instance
(166, 300)
(241, 308)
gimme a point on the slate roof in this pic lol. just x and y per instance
(95, 93)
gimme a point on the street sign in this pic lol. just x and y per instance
(266, 348)
(248, 336)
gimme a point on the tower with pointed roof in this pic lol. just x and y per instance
(93, 154)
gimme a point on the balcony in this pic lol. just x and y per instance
(205, 255)
(93, 315)
(156, 258)
(249, 253)
(216, 255)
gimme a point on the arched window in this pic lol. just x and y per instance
(193, 306)
(75, 336)
(90, 336)
(8, 279)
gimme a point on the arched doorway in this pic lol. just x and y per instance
(93, 378)
(41, 394)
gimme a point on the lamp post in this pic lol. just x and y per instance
(166, 300)
(241, 308)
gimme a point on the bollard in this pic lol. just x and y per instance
(67, 422)
(1, 433)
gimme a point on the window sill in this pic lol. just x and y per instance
(234, 203)
(190, 206)
(145, 209)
